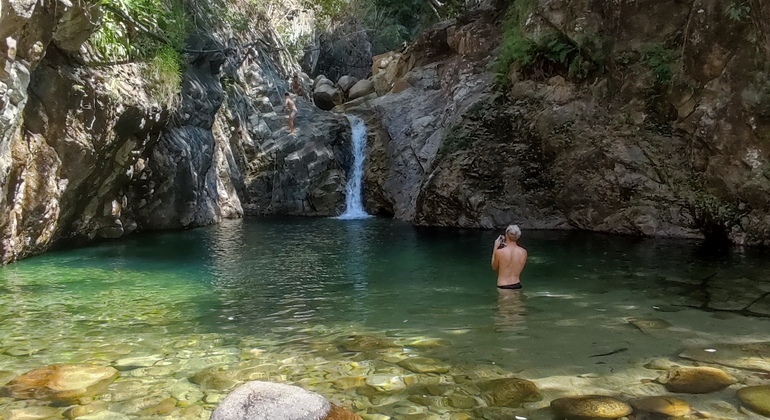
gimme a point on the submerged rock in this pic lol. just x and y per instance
(696, 380)
(749, 356)
(386, 383)
(756, 398)
(424, 365)
(339, 413)
(646, 324)
(367, 343)
(61, 383)
(272, 401)
(668, 406)
(590, 406)
(509, 392)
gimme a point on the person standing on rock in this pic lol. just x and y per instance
(508, 259)
(290, 107)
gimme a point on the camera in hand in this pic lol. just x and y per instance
(502, 242)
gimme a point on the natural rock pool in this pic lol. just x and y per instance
(387, 320)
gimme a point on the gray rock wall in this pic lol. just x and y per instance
(606, 153)
(87, 152)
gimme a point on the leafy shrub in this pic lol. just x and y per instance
(661, 61)
(737, 10)
(552, 54)
(151, 31)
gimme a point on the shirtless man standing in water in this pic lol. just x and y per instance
(508, 259)
(291, 108)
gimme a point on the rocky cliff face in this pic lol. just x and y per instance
(628, 149)
(87, 151)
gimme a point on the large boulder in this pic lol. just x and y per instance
(346, 82)
(61, 383)
(344, 51)
(360, 89)
(327, 97)
(259, 400)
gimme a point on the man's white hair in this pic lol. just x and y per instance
(513, 231)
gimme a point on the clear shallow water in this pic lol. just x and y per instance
(277, 299)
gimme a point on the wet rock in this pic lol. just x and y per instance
(327, 97)
(669, 406)
(144, 405)
(367, 343)
(696, 380)
(424, 365)
(84, 410)
(6, 376)
(660, 364)
(646, 324)
(339, 413)
(214, 378)
(105, 415)
(162, 408)
(749, 356)
(271, 401)
(463, 402)
(350, 382)
(130, 363)
(61, 383)
(34, 413)
(590, 406)
(756, 398)
(427, 343)
(509, 392)
(385, 383)
(185, 393)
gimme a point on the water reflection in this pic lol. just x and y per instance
(510, 312)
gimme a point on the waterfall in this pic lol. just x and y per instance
(354, 202)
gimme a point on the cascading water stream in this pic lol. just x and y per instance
(354, 203)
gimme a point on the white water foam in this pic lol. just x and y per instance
(354, 203)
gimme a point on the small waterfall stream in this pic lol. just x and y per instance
(354, 203)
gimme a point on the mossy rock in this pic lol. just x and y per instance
(668, 406)
(590, 407)
(509, 392)
(756, 398)
(696, 380)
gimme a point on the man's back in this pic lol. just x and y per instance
(510, 263)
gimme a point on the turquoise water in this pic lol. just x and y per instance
(278, 298)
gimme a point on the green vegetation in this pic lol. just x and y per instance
(713, 216)
(550, 54)
(738, 10)
(661, 61)
(149, 31)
